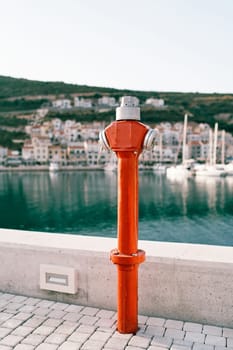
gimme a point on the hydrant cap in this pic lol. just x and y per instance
(128, 109)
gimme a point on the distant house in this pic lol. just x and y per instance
(155, 102)
(107, 101)
(62, 104)
(3, 154)
(82, 102)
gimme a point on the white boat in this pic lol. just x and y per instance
(54, 166)
(211, 169)
(183, 169)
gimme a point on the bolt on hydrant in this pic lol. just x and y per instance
(127, 137)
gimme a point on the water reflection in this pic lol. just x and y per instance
(197, 210)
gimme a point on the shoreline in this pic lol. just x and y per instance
(46, 168)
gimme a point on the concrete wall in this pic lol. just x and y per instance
(179, 281)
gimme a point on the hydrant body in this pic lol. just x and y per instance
(126, 138)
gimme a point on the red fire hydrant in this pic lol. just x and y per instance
(127, 137)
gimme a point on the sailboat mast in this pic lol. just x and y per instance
(184, 138)
(223, 148)
(210, 147)
(215, 142)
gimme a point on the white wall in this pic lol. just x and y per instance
(179, 281)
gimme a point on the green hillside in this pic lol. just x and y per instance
(22, 96)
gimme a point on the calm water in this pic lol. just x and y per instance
(193, 211)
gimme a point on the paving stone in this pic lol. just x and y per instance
(90, 320)
(19, 299)
(155, 331)
(78, 337)
(59, 306)
(174, 324)
(44, 330)
(7, 296)
(92, 345)
(4, 332)
(56, 338)
(45, 346)
(129, 347)
(163, 342)
(105, 314)
(212, 330)
(105, 322)
(4, 316)
(180, 347)
(197, 346)
(100, 336)
(215, 340)
(228, 332)
(154, 347)
(11, 340)
(67, 328)
(56, 314)
(23, 316)
(106, 330)
(23, 331)
(35, 321)
(155, 321)
(68, 345)
(139, 341)
(13, 306)
(86, 329)
(74, 308)
(12, 323)
(89, 311)
(174, 333)
(142, 319)
(42, 311)
(229, 342)
(34, 339)
(52, 322)
(4, 347)
(195, 337)
(45, 303)
(192, 327)
(24, 347)
(27, 308)
(72, 316)
(182, 342)
(4, 303)
(222, 348)
(116, 343)
(32, 301)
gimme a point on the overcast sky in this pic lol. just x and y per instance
(159, 45)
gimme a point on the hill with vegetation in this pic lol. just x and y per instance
(22, 96)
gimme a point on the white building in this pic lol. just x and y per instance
(107, 101)
(155, 102)
(62, 104)
(82, 102)
(3, 153)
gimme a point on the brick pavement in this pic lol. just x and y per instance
(31, 323)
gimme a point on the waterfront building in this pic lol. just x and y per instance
(28, 152)
(41, 149)
(107, 101)
(155, 102)
(62, 104)
(3, 154)
(82, 102)
(57, 153)
(76, 153)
